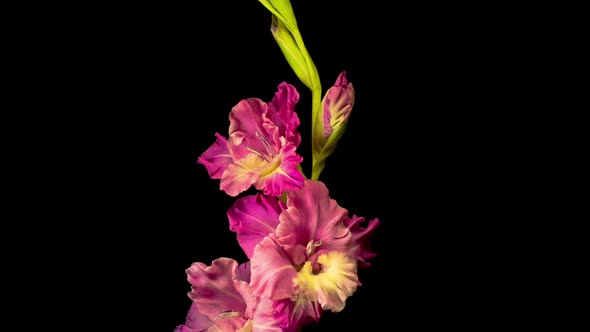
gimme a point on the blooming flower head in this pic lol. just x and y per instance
(223, 300)
(261, 148)
(304, 253)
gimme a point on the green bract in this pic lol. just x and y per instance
(288, 45)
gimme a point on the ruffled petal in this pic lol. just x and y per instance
(240, 175)
(250, 130)
(253, 218)
(215, 293)
(249, 298)
(361, 239)
(282, 112)
(272, 271)
(311, 215)
(216, 158)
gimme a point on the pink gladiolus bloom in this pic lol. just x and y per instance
(305, 253)
(223, 300)
(261, 148)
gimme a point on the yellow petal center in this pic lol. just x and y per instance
(336, 281)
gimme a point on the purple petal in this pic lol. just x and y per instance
(294, 314)
(244, 272)
(216, 158)
(253, 218)
(361, 239)
(282, 112)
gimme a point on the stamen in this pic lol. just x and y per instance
(267, 145)
(263, 139)
(228, 314)
(259, 154)
(310, 247)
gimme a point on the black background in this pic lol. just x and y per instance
(151, 84)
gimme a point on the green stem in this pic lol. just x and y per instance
(316, 105)
(316, 100)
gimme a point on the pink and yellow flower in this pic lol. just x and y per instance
(223, 300)
(304, 253)
(261, 148)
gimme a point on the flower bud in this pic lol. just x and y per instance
(290, 49)
(336, 107)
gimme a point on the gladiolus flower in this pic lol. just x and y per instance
(304, 253)
(223, 300)
(261, 148)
